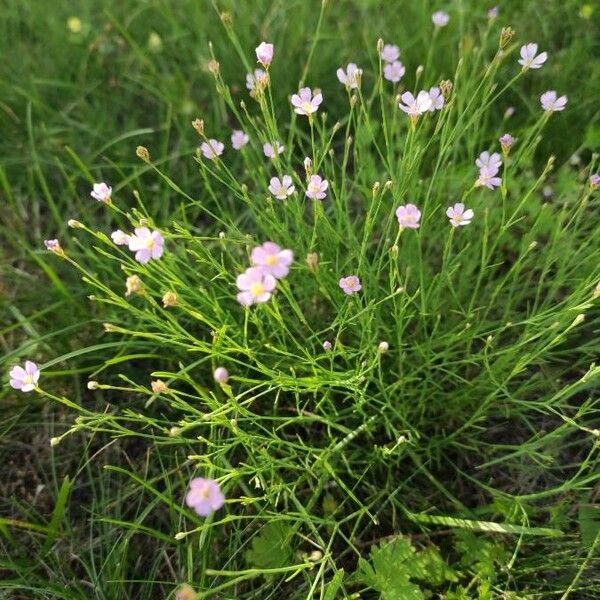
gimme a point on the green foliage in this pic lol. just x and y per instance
(271, 548)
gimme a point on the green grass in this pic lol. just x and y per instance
(462, 462)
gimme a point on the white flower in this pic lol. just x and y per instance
(281, 188)
(350, 77)
(440, 18)
(551, 103)
(529, 60)
(458, 215)
(416, 106)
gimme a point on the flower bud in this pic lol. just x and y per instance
(74, 224)
(221, 375)
(158, 386)
(383, 347)
(133, 285)
(169, 299)
(326, 345)
(198, 125)
(506, 35)
(312, 261)
(143, 153)
(92, 385)
(446, 87)
(214, 67)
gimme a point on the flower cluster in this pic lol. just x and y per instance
(393, 69)
(257, 283)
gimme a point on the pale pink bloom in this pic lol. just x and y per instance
(529, 57)
(390, 53)
(212, 149)
(281, 188)
(204, 496)
(239, 139)
(221, 375)
(101, 192)
(493, 162)
(440, 18)
(264, 53)
(317, 187)
(551, 103)
(409, 216)
(350, 77)
(493, 13)
(350, 285)
(458, 215)
(272, 260)
(509, 112)
(120, 238)
(415, 106)
(326, 345)
(595, 180)
(272, 150)
(437, 99)
(506, 141)
(255, 286)
(258, 79)
(52, 245)
(24, 379)
(394, 71)
(146, 244)
(305, 103)
(487, 177)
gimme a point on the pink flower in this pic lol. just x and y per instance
(493, 162)
(408, 216)
(394, 71)
(305, 103)
(390, 53)
(101, 192)
(595, 180)
(326, 345)
(415, 106)
(53, 246)
(440, 18)
(281, 188)
(120, 238)
(487, 178)
(264, 54)
(458, 215)
(506, 141)
(271, 151)
(317, 188)
(239, 139)
(551, 103)
(24, 379)
(221, 375)
(529, 59)
(255, 286)
(437, 99)
(204, 496)
(350, 285)
(492, 13)
(272, 260)
(350, 77)
(257, 80)
(212, 149)
(146, 244)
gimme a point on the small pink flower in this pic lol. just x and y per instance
(409, 216)
(506, 141)
(239, 139)
(437, 99)
(272, 150)
(204, 496)
(551, 103)
(281, 188)
(350, 77)
(146, 244)
(487, 177)
(350, 285)
(255, 286)
(101, 192)
(440, 18)
(305, 103)
(415, 106)
(53, 246)
(493, 162)
(327, 345)
(529, 57)
(24, 379)
(257, 80)
(458, 215)
(394, 71)
(317, 188)
(264, 54)
(212, 149)
(272, 260)
(493, 13)
(595, 180)
(390, 53)
(120, 238)
(221, 375)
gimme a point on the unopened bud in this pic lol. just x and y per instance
(185, 592)
(74, 224)
(198, 125)
(383, 347)
(169, 299)
(578, 319)
(419, 71)
(315, 556)
(312, 261)
(214, 67)
(158, 386)
(506, 35)
(92, 385)
(226, 18)
(54, 441)
(133, 285)
(109, 327)
(380, 45)
(143, 153)
(446, 87)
